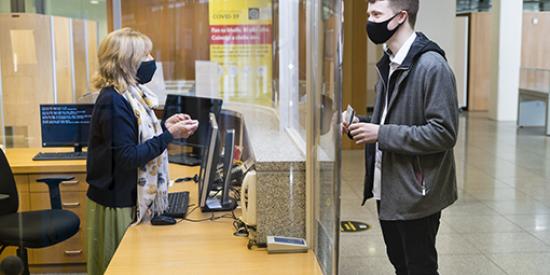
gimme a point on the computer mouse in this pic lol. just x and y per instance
(163, 220)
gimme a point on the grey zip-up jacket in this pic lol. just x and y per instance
(418, 135)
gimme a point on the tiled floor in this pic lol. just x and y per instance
(499, 225)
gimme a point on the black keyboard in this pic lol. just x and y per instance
(60, 156)
(187, 160)
(178, 203)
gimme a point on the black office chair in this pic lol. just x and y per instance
(32, 229)
(12, 265)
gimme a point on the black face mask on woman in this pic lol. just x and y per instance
(379, 33)
(146, 71)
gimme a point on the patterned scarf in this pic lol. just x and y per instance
(152, 185)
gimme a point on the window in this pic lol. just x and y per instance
(465, 6)
(536, 5)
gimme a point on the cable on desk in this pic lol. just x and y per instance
(189, 213)
(253, 245)
(212, 217)
(194, 178)
(236, 194)
(202, 220)
(241, 229)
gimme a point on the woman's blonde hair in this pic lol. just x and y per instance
(119, 56)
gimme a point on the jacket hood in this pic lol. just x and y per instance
(421, 45)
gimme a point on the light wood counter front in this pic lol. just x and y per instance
(200, 248)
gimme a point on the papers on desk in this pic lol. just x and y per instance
(213, 203)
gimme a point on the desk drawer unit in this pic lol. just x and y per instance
(69, 251)
(72, 201)
(73, 198)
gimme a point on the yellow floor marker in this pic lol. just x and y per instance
(353, 226)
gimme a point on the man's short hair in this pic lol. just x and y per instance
(410, 6)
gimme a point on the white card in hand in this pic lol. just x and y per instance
(350, 115)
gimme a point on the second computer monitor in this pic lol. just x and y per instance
(209, 169)
(211, 181)
(229, 147)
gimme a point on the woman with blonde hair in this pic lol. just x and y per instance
(127, 165)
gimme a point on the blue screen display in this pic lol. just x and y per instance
(289, 241)
(65, 124)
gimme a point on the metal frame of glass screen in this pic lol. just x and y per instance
(323, 164)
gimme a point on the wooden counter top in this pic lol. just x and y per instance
(21, 162)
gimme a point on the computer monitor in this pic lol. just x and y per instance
(229, 147)
(210, 172)
(65, 125)
(211, 181)
(202, 171)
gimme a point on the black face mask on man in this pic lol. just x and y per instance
(146, 71)
(379, 33)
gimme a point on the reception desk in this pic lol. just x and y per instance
(207, 247)
(196, 248)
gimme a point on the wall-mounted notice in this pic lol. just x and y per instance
(206, 79)
(241, 43)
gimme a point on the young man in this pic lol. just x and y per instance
(410, 167)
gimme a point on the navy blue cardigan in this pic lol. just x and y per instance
(114, 154)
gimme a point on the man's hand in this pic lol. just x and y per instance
(175, 119)
(364, 133)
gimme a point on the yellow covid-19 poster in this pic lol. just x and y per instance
(241, 43)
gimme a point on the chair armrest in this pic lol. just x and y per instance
(53, 185)
(55, 178)
(4, 197)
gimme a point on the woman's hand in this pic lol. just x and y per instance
(184, 129)
(175, 119)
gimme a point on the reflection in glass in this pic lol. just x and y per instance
(47, 55)
(325, 92)
(465, 6)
